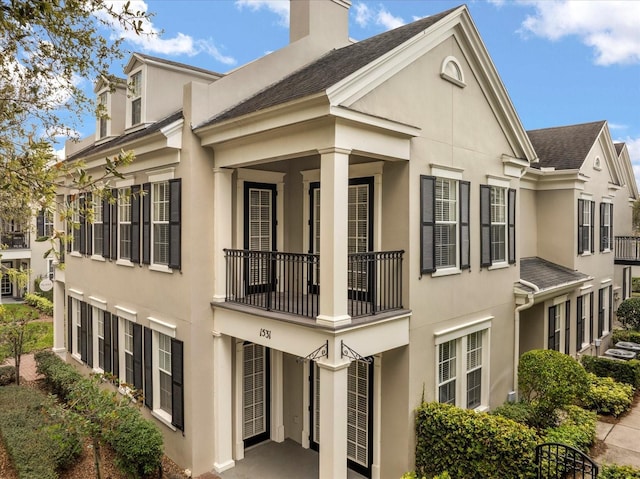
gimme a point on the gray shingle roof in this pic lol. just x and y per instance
(127, 137)
(328, 69)
(547, 275)
(564, 147)
(619, 147)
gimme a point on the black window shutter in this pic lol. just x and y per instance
(580, 226)
(600, 312)
(115, 358)
(83, 331)
(40, 224)
(70, 324)
(485, 225)
(177, 384)
(465, 241)
(610, 321)
(624, 283)
(89, 227)
(567, 326)
(511, 224)
(107, 342)
(579, 324)
(82, 232)
(427, 224)
(69, 224)
(611, 226)
(593, 216)
(135, 224)
(146, 224)
(590, 316)
(106, 226)
(89, 335)
(137, 356)
(114, 225)
(603, 239)
(175, 239)
(148, 368)
(551, 333)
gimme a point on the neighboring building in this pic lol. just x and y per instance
(307, 247)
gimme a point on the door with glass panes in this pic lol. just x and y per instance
(6, 285)
(255, 394)
(359, 415)
(259, 235)
(359, 231)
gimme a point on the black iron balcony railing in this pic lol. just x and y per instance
(627, 249)
(290, 282)
(15, 240)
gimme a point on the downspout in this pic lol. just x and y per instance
(516, 342)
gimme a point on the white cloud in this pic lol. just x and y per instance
(279, 7)
(365, 15)
(610, 27)
(617, 126)
(387, 20)
(152, 40)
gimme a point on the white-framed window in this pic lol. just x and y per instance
(76, 327)
(164, 372)
(98, 339)
(124, 223)
(160, 222)
(102, 112)
(97, 227)
(50, 268)
(498, 224)
(127, 366)
(586, 210)
(606, 221)
(463, 365)
(136, 98)
(587, 221)
(48, 223)
(446, 223)
(555, 327)
(72, 226)
(583, 322)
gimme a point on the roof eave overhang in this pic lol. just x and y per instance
(553, 291)
(541, 180)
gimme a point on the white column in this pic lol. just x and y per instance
(222, 403)
(333, 419)
(222, 221)
(277, 397)
(334, 184)
(238, 440)
(58, 317)
(377, 416)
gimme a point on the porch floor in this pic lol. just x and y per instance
(273, 460)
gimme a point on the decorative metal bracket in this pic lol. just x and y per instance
(321, 352)
(347, 352)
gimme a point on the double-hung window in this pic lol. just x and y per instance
(160, 221)
(164, 371)
(97, 227)
(444, 231)
(98, 315)
(128, 352)
(586, 212)
(447, 372)
(136, 98)
(124, 223)
(555, 327)
(73, 229)
(583, 335)
(497, 223)
(48, 223)
(606, 227)
(558, 327)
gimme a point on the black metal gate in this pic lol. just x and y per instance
(559, 461)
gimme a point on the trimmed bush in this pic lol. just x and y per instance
(622, 371)
(628, 313)
(472, 445)
(578, 429)
(613, 471)
(606, 396)
(520, 412)
(59, 376)
(413, 475)
(7, 375)
(41, 303)
(550, 380)
(626, 335)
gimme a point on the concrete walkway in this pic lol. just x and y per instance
(622, 440)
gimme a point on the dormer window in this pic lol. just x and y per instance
(103, 111)
(136, 98)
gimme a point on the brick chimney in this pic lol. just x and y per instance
(325, 21)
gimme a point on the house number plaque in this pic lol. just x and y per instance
(265, 333)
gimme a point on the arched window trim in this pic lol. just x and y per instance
(443, 72)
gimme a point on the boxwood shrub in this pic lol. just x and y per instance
(41, 303)
(626, 335)
(7, 375)
(622, 371)
(521, 412)
(606, 396)
(467, 444)
(578, 429)
(614, 471)
(59, 376)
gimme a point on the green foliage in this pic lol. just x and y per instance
(41, 303)
(626, 335)
(622, 371)
(635, 285)
(472, 445)
(577, 429)
(59, 376)
(550, 380)
(606, 396)
(614, 471)
(413, 475)
(521, 412)
(629, 313)
(45, 294)
(7, 375)
(34, 439)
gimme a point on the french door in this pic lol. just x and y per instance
(259, 235)
(359, 415)
(255, 394)
(6, 285)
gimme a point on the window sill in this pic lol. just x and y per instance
(481, 409)
(446, 272)
(586, 253)
(164, 418)
(124, 262)
(162, 268)
(97, 257)
(97, 371)
(606, 251)
(500, 265)
(77, 357)
(584, 347)
(75, 254)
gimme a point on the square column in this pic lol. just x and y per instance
(222, 403)
(58, 318)
(222, 221)
(333, 419)
(334, 214)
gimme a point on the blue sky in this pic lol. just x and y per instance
(562, 62)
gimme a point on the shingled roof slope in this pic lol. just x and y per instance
(328, 69)
(619, 147)
(547, 275)
(127, 137)
(564, 147)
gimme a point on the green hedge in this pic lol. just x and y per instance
(613, 471)
(41, 303)
(606, 396)
(578, 429)
(59, 376)
(622, 371)
(472, 445)
(626, 335)
(520, 412)
(7, 375)
(38, 444)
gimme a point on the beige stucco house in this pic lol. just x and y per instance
(308, 246)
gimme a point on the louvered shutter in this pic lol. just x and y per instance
(89, 227)
(485, 225)
(114, 225)
(512, 225)
(465, 243)
(146, 223)
(82, 232)
(83, 331)
(69, 324)
(135, 224)
(609, 322)
(427, 224)
(580, 226)
(89, 336)
(591, 315)
(40, 224)
(177, 384)
(115, 338)
(567, 326)
(137, 356)
(106, 227)
(148, 368)
(611, 226)
(579, 323)
(69, 224)
(593, 221)
(603, 236)
(175, 206)
(600, 312)
(107, 342)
